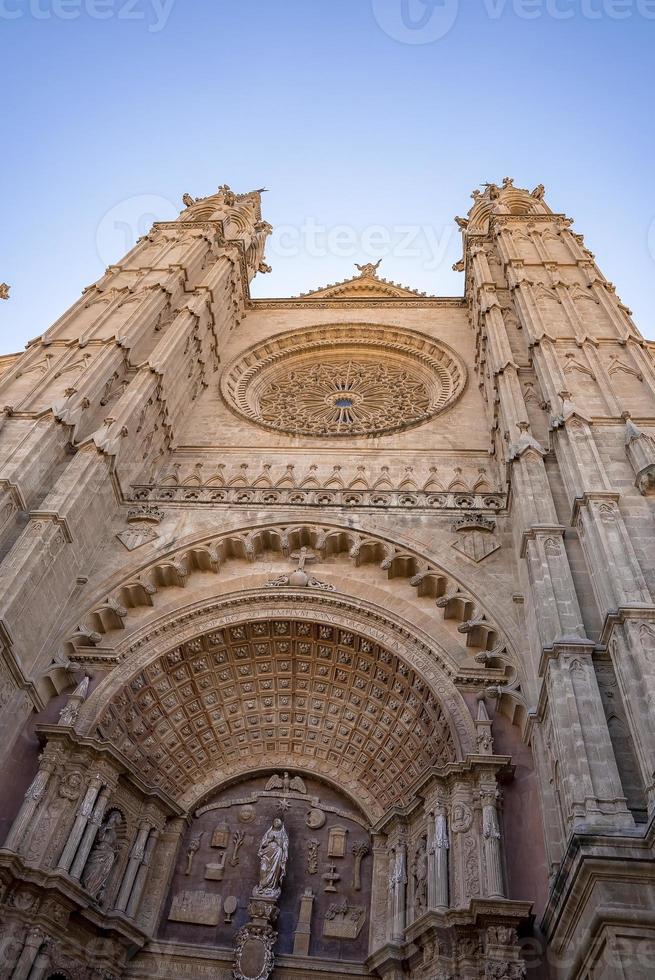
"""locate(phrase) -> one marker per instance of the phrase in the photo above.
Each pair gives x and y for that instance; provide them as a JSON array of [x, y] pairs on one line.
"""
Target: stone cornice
[[539, 530], [563, 646], [419, 302], [588, 497], [593, 855], [642, 612], [379, 500], [57, 883]]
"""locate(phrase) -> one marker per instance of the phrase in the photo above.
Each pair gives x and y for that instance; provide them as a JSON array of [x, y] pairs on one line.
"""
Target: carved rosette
[[355, 380]]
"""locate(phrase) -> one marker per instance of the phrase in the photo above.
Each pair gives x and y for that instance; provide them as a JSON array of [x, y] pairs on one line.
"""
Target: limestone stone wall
[[395, 548]]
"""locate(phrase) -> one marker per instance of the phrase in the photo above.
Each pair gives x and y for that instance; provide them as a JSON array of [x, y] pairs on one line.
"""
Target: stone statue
[[188, 201], [70, 711], [285, 782], [273, 854], [421, 878], [102, 857], [369, 268], [4, 290]]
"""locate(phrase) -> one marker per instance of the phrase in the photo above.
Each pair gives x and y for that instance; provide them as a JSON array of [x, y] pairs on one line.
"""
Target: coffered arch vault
[[311, 681]]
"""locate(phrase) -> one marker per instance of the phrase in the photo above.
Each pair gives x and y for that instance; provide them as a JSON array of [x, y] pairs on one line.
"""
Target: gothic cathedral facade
[[327, 624]]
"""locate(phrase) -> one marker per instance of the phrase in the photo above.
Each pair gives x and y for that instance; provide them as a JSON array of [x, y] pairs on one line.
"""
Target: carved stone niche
[[338, 921]]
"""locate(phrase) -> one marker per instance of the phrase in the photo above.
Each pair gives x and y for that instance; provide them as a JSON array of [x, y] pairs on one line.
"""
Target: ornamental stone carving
[[299, 676], [102, 857], [273, 856], [346, 381]]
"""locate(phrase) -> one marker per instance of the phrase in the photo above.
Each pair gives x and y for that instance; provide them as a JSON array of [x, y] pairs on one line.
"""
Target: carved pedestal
[[255, 941]]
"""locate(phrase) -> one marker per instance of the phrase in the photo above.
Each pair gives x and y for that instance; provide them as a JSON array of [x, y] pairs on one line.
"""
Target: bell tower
[[570, 393]]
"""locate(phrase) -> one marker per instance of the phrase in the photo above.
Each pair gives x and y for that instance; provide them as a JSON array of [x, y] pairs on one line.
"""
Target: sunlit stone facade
[[327, 624]]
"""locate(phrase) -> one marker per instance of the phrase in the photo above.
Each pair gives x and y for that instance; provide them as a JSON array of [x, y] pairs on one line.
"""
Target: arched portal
[[307, 682]]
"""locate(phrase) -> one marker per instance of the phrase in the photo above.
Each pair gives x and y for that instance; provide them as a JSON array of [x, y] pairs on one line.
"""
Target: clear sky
[[370, 121]]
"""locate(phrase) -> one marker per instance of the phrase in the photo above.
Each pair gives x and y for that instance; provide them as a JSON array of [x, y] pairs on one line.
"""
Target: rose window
[[345, 398], [338, 381]]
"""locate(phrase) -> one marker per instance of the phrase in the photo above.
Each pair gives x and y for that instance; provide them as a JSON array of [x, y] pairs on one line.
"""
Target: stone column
[[146, 910], [398, 890], [303, 931], [141, 875], [42, 961], [590, 779], [491, 838], [379, 894], [33, 942], [81, 820], [89, 834], [441, 848], [136, 857], [30, 805]]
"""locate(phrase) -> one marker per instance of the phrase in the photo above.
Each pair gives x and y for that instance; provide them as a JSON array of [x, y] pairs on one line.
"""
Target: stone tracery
[[349, 380], [344, 397]]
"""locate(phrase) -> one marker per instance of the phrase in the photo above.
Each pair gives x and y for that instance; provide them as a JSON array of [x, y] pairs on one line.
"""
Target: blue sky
[[370, 121]]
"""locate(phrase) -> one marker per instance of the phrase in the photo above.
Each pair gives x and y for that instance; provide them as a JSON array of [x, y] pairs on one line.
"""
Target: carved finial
[[189, 201], [4, 290], [539, 192], [493, 190], [369, 268], [508, 182], [227, 194], [483, 714]]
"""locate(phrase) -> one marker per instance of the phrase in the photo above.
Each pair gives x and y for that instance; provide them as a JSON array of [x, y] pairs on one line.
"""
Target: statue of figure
[[539, 192], [273, 854], [421, 877], [70, 711], [369, 268], [188, 200], [102, 857], [4, 290]]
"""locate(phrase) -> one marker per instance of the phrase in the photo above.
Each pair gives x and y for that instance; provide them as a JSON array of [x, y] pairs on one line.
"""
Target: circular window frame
[[430, 361]]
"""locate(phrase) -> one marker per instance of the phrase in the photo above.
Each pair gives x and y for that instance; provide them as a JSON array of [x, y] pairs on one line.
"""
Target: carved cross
[[302, 557]]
